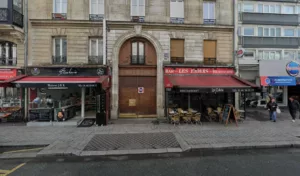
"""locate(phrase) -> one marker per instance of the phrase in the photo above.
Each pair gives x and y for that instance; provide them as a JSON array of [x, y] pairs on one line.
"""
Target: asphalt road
[[257, 163]]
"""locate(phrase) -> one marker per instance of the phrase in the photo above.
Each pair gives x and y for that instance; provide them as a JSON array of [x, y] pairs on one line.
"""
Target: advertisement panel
[[279, 68], [7, 73], [277, 81]]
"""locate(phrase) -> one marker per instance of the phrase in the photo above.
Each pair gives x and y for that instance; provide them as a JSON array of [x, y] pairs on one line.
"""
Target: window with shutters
[[96, 10], [209, 16], [210, 52], [137, 10], [177, 11], [60, 8], [96, 51], [137, 53], [177, 50]]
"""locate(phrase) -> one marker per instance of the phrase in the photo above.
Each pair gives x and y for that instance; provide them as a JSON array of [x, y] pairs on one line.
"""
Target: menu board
[[228, 111]]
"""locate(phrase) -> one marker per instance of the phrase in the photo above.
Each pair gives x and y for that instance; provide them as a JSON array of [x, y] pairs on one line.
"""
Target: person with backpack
[[294, 107]]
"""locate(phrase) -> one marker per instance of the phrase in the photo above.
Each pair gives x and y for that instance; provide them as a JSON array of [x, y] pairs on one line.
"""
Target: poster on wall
[[277, 81]]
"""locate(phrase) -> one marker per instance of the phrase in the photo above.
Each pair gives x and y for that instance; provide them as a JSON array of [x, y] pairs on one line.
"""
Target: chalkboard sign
[[228, 111]]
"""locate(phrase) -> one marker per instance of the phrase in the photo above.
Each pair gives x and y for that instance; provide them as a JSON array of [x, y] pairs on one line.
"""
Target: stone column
[[6, 53], [14, 54]]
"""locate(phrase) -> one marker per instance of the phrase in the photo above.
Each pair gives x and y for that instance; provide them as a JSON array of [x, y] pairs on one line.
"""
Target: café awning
[[8, 82], [57, 82], [208, 83]]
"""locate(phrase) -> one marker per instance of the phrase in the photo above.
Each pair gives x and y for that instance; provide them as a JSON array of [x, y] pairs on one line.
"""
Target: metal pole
[[82, 102], [26, 58], [104, 37], [244, 105]]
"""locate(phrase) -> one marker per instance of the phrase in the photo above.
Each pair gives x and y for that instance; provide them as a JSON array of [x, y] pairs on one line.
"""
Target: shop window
[[96, 9], [177, 50], [60, 8], [59, 50], [137, 53], [95, 51], [210, 52]]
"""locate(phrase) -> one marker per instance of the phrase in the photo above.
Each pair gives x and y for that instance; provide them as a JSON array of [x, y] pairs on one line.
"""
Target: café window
[[210, 52], [59, 50], [137, 53], [177, 50]]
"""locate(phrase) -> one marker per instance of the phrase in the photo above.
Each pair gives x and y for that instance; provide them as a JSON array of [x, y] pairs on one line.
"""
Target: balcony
[[3, 15], [17, 18], [176, 20], [95, 60], [59, 16], [138, 19], [269, 19], [8, 61], [96, 17], [268, 42], [59, 60], [209, 21]]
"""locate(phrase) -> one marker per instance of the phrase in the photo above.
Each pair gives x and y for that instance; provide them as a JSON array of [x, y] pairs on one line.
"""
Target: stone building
[[11, 43], [145, 35], [141, 37]]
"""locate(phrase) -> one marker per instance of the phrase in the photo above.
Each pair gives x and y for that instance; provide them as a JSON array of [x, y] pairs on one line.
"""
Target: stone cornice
[[126, 25]]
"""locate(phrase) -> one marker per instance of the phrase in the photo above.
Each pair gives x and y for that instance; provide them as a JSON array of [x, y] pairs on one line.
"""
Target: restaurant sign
[[199, 71], [7, 73], [67, 71]]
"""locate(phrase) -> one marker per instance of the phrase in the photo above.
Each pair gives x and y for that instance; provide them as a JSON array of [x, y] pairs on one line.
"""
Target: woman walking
[[272, 107]]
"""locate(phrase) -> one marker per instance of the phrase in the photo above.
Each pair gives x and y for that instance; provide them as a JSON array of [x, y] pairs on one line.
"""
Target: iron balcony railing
[[96, 17], [95, 60], [18, 18], [3, 14], [210, 21], [8, 61], [58, 60], [59, 16]]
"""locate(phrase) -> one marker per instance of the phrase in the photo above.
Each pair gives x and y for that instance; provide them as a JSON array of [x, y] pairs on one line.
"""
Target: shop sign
[[278, 81], [216, 90], [66, 71], [141, 90], [199, 71], [7, 73], [189, 90], [56, 85], [279, 68]]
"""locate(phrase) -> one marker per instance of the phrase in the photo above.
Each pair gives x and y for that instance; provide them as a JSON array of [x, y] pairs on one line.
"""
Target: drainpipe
[[104, 36], [235, 58], [26, 58]]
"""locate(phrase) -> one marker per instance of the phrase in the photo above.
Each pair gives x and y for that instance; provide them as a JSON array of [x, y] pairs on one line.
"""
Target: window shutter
[[141, 8], [94, 5], [134, 7], [173, 8], [210, 48], [101, 7], [177, 8], [64, 6], [177, 48], [180, 8]]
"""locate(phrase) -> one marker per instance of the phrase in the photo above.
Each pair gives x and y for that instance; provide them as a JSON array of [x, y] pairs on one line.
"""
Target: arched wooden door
[[137, 79]]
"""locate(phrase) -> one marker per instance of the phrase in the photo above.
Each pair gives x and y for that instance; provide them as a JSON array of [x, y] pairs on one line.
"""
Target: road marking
[[3, 172], [13, 170], [24, 150]]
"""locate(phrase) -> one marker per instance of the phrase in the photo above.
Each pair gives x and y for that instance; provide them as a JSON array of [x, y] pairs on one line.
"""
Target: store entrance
[[137, 96], [61, 104]]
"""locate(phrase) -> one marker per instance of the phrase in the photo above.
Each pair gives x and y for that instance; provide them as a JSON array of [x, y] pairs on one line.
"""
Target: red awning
[[37, 79], [7, 82], [191, 81]]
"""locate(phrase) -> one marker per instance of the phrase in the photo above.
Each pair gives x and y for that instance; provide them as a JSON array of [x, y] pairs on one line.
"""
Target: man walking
[[272, 107], [294, 107]]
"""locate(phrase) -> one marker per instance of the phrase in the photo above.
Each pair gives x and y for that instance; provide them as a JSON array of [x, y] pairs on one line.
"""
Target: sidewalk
[[124, 139]]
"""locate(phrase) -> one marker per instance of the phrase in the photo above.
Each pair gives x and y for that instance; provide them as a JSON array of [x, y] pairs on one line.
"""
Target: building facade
[[143, 36], [11, 49], [267, 31]]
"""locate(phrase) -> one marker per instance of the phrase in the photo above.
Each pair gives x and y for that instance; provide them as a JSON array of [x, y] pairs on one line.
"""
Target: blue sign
[[293, 68], [279, 81]]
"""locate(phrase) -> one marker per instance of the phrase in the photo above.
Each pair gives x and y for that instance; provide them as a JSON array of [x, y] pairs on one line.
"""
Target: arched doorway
[[137, 79]]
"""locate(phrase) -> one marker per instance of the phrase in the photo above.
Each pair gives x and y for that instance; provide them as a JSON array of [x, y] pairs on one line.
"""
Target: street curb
[[24, 146]]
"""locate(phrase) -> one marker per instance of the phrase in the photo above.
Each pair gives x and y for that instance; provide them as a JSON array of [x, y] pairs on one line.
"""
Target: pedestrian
[[294, 107], [268, 100], [272, 107]]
